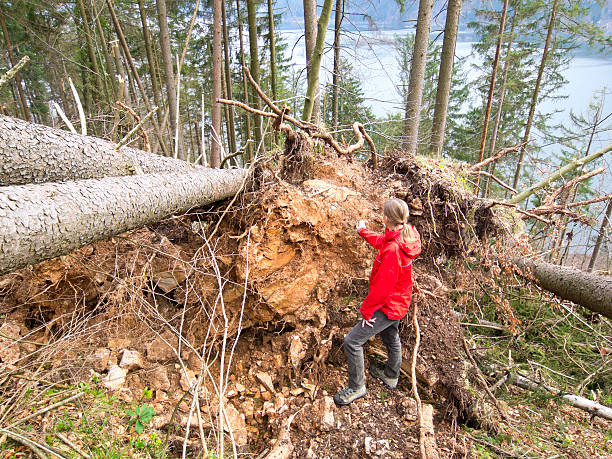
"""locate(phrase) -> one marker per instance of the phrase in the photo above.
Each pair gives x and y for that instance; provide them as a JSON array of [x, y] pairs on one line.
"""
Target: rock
[[240, 388], [297, 391], [101, 357], [248, 408], [296, 351], [115, 378], [268, 409], [376, 447], [236, 422], [158, 379], [169, 280], [266, 380], [279, 404], [132, 360], [9, 348], [159, 351], [267, 396], [187, 380], [325, 408], [232, 393]]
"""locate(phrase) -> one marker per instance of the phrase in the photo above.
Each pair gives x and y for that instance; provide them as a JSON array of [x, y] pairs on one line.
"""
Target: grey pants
[[353, 348]]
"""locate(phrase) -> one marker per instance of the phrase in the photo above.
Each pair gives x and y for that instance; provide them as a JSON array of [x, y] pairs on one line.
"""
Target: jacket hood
[[410, 246]]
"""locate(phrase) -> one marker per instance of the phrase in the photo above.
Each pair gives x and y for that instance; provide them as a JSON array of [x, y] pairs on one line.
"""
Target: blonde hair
[[396, 210]]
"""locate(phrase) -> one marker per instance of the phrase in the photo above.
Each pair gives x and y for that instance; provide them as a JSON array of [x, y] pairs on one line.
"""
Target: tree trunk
[[91, 51], [586, 289], [42, 221], [110, 73], [33, 153], [7, 43], [417, 76], [254, 64], [500, 103], [231, 128], [130, 61], [272, 43], [164, 41], [445, 77], [215, 145], [534, 96], [336, 76], [245, 87], [149, 50], [485, 128], [602, 231], [315, 63], [310, 39]]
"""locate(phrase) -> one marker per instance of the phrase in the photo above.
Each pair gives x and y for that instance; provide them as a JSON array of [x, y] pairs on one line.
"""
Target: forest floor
[[261, 293]]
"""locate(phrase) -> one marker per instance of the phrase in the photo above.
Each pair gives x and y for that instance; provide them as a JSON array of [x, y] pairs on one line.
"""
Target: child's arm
[[382, 284], [372, 238]]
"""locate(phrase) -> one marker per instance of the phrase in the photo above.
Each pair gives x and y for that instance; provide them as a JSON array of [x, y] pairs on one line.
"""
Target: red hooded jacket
[[391, 278]]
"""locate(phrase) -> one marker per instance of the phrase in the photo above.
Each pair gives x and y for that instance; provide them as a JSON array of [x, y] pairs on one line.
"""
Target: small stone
[[266, 380], [240, 388], [325, 407], [187, 380], [159, 351], [158, 379], [248, 408], [231, 393], [297, 391], [267, 396], [100, 359], [132, 360], [236, 422], [115, 378], [268, 409]]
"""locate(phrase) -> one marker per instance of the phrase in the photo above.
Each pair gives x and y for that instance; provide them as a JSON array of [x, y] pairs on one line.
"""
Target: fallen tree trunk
[[42, 221], [596, 409], [590, 290], [33, 153]]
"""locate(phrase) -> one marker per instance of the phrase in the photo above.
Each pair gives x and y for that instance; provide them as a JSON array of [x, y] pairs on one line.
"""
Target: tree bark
[[445, 77], [315, 63], [43, 221], [91, 51], [336, 76], [7, 43], [310, 38], [33, 153], [417, 76], [272, 43], [149, 50], [485, 128], [254, 64], [231, 128], [215, 145], [245, 87], [602, 231], [534, 96], [592, 291], [164, 41], [500, 103]]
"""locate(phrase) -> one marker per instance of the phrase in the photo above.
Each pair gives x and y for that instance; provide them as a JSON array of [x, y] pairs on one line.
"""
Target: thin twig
[[64, 118], [483, 382], [135, 128], [48, 408], [415, 391], [72, 445], [497, 155]]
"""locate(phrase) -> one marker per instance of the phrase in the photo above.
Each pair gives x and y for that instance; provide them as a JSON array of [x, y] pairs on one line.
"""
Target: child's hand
[[361, 224], [369, 323]]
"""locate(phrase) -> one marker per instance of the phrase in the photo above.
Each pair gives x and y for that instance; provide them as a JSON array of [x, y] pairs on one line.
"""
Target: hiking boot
[[379, 373], [347, 395]]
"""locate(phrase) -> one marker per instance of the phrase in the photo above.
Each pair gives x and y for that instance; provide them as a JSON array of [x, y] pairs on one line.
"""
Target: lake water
[[374, 59]]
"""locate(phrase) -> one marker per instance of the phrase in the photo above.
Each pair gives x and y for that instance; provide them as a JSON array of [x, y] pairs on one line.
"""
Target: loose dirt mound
[[291, 270]]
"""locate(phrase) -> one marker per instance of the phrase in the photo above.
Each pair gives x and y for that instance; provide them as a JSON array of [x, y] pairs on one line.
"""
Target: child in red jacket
[[387, 302]]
